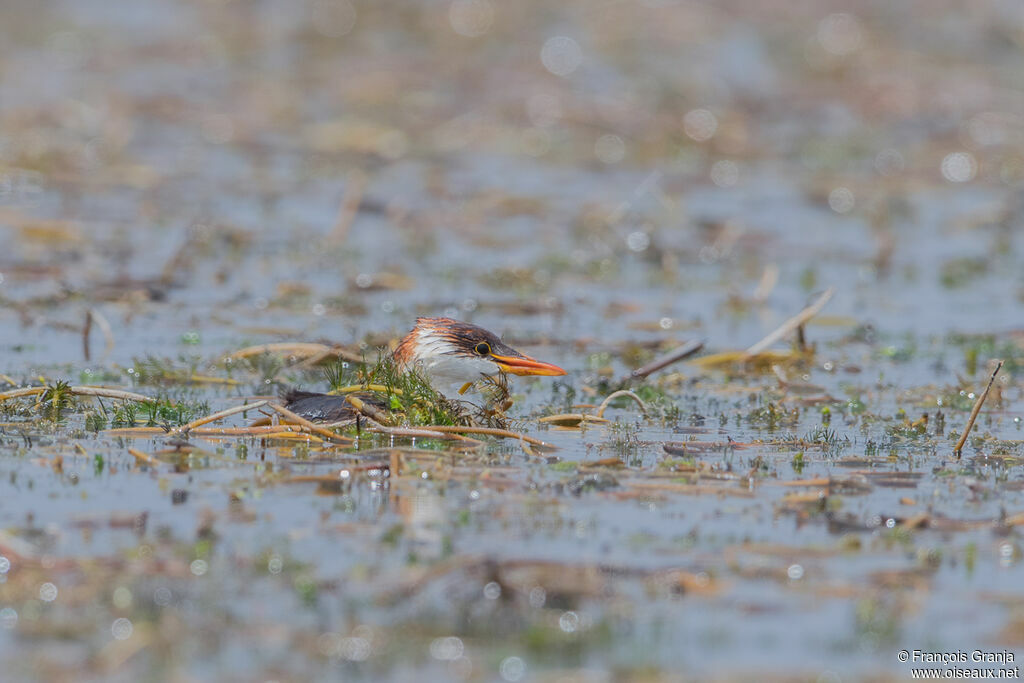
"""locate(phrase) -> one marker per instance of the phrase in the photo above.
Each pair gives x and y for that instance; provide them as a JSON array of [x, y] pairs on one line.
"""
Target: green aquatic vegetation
[[411, 394], [174, 413], [898, 536], [759, 465], [635, 355], [982, 347], [899, 353], [151, 370], [596, 362], [95, 422], [125, 415], [307, 589], [99, 376], [162, 412], [674, 463], [823, 435], [960, 272], [856, 406], [771, 416], [393, 534], [808, 279], [878, 621], [156, 371], [907, 429], [339, 373], [956, 399], [971, 360], [563, 397], [659, 403], [56, 399], [798, 462], [624, 442]]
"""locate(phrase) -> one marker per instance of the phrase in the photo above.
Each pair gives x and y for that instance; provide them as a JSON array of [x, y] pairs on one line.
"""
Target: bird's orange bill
[[524, 365]]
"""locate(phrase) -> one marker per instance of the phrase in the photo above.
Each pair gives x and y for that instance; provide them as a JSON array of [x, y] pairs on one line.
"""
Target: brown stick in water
[[974, 411]]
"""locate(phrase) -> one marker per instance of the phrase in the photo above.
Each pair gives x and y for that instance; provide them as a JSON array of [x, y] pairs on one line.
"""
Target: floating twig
[[417, 432], [422, 433], [691, 489], [316, 429], [260, 431], [616, 394], [144, 458], [221, 415], [572, 419], [80, 391], [490, 431], [675, 355], [974, 411], [366, 409], [791, 324], [207, 379]]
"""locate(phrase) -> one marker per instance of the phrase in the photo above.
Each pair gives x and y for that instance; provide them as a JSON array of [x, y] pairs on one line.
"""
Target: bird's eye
[[483, 348]]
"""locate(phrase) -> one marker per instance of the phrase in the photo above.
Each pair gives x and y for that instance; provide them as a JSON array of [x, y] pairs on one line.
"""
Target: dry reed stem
[[616, 394], [261, 431], [424, 433], [974, 411], [221, 415], [791, 324], [572, 419], [690, 489], [674, 356], [144, 458], [80, 391], [366, 409], [206, 379], [316, 429], [490, 431]]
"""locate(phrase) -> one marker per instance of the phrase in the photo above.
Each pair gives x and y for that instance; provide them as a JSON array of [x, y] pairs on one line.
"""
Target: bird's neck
[[438, 360]]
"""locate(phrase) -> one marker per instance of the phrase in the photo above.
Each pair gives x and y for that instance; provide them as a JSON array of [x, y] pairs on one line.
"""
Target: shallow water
[[178, 168]]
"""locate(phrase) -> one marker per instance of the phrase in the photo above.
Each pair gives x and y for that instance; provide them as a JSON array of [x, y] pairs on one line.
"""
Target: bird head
[[458, 352]]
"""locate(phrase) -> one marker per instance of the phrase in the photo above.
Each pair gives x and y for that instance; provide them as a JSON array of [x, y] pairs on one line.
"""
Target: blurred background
[[338, 168], [595, 180]]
